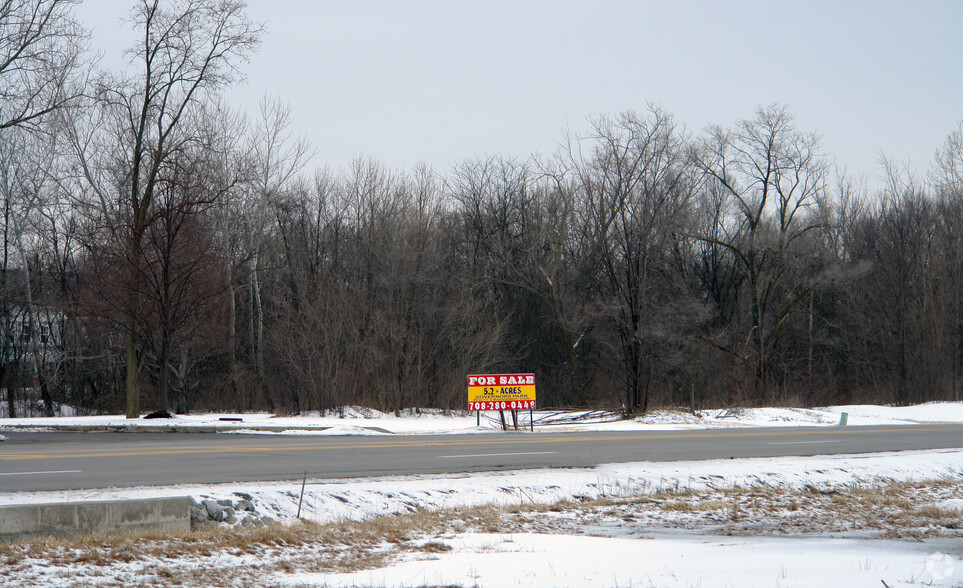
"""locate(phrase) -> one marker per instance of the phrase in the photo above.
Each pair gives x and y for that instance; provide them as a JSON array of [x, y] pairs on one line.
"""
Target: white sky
[[442, 80]]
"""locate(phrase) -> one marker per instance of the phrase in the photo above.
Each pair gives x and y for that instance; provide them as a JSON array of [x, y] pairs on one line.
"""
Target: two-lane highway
[[69, 461]]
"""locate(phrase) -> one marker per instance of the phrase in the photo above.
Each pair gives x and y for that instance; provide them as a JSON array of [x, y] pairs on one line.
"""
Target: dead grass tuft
[[434, 547]]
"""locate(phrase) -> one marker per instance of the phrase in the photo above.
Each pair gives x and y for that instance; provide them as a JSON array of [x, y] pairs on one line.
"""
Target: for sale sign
[[501, 392]]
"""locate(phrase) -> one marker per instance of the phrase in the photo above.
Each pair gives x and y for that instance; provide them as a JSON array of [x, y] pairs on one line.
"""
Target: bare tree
[[277, 157], [566, 276], [224, 154], [947, 172], [636, 183], [41, 65], [896, 322], [182, 292], [947, 179], [41, 48], [774, 174], [188, 51], [35, 224]]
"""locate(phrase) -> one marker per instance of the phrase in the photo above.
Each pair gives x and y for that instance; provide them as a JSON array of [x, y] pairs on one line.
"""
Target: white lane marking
[[804, 442], [37, 473], [498, 454]]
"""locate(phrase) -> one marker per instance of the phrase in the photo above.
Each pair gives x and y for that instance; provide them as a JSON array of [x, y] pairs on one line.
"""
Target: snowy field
[[559, 560], [886, 519]]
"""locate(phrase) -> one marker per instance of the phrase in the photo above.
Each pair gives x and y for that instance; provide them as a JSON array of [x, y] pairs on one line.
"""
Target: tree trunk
[[183, 407], [258, 313], [135, 361], [232, 347], [163, 384], [11, 401], [7, 333], [135, 349]]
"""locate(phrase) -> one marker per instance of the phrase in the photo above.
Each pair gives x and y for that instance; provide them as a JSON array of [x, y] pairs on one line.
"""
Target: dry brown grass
[[885, 508], [343, 546]]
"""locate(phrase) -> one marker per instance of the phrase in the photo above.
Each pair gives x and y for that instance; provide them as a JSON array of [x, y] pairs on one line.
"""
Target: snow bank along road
[[72, 461]]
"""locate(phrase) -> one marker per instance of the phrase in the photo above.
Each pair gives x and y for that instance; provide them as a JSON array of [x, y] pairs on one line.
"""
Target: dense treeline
[[161, 249]]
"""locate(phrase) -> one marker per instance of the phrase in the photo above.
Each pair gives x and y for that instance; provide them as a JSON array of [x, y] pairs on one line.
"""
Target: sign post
[[501, 392]]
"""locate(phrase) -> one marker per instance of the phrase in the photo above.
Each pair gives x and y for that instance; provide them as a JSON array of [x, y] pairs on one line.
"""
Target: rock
[[208, 513], [2, 438], [198, 511], [214, 510], [200, 518]]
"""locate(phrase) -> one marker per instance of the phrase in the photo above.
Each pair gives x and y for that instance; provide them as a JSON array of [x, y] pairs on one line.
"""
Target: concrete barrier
[[69, 519]]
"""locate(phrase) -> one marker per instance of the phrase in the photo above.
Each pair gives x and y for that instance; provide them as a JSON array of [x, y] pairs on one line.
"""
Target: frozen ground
[[888, 519]]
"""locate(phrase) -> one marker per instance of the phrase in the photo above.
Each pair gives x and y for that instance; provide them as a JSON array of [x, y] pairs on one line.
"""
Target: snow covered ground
[[788, 521], [364, 421], [563, 560]]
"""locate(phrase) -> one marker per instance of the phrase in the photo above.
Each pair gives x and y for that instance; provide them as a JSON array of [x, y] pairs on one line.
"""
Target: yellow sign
[[501, 392]]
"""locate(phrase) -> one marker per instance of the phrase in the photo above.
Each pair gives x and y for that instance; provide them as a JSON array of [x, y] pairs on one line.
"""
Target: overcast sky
[[438, 81]]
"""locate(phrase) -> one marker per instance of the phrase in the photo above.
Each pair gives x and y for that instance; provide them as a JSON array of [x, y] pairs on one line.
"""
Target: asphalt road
[[74, 461]]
